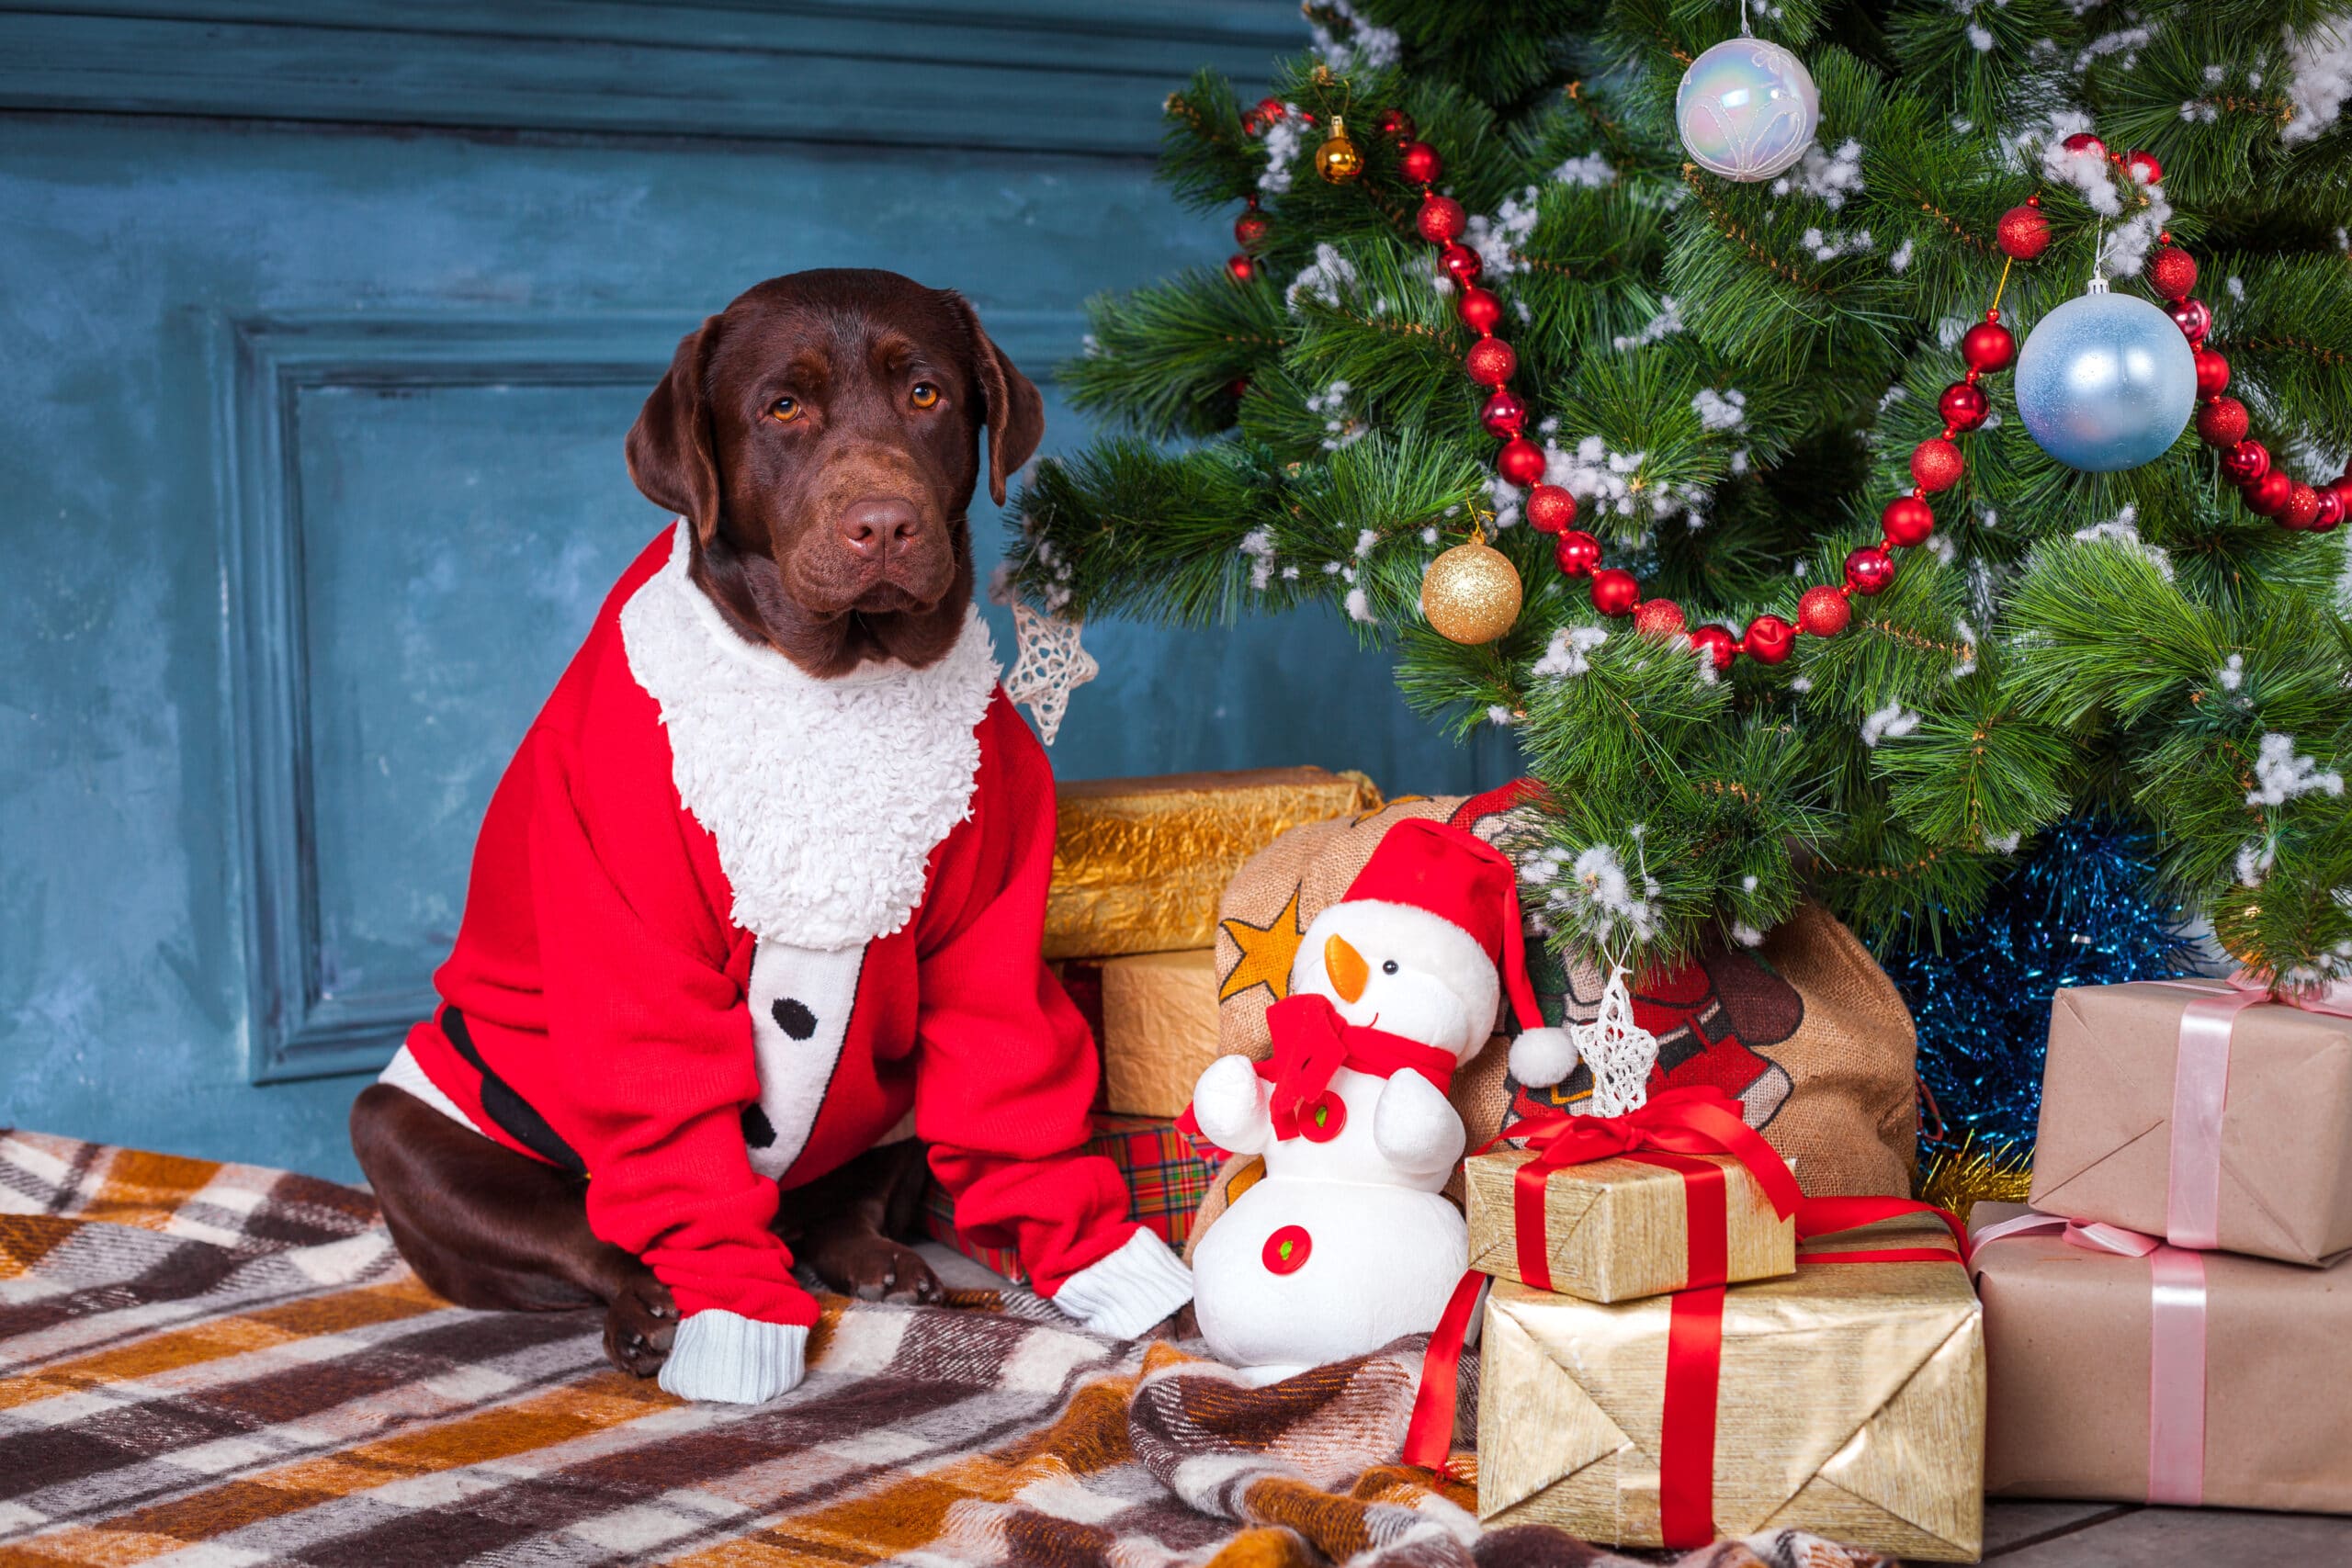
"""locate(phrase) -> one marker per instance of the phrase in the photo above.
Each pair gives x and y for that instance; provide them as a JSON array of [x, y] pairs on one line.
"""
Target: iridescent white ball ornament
[[2105, 382], [1746, 110]]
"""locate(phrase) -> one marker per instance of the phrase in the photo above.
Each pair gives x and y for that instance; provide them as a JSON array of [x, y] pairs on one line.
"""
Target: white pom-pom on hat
[[1542, 1057]]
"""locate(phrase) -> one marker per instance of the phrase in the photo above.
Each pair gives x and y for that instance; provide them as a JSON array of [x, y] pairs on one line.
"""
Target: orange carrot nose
[[1346, 968]]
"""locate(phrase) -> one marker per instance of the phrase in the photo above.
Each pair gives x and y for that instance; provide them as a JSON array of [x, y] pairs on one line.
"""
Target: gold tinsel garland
[[1960, 1177]]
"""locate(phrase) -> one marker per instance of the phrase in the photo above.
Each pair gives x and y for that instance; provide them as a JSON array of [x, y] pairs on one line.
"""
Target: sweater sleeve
[[649, 1066], [1006, 1070]]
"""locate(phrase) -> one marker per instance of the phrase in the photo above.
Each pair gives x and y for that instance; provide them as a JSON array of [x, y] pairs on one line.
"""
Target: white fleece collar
[[825, 797]]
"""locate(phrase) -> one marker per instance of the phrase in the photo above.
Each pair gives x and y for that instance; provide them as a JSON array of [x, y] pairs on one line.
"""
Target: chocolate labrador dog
[[821, 438]]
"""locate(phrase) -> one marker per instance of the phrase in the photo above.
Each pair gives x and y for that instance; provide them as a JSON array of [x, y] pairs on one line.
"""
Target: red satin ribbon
[[1693, 1363], [1699, 1119]]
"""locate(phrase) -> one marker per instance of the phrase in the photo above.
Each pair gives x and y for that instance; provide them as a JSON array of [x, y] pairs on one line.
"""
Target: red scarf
[[1312, 1041]]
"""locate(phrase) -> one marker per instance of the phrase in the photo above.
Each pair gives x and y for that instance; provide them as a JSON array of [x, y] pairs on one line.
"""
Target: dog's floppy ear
[[671, 454], [1016, 415]]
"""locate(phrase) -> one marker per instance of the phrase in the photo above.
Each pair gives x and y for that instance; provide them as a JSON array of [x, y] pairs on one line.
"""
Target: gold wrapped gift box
[[1850, 1402], [1617, 1229], [1139, 864]]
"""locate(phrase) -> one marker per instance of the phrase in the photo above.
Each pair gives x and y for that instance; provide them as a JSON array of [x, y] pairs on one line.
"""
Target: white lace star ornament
[[1050, 665]]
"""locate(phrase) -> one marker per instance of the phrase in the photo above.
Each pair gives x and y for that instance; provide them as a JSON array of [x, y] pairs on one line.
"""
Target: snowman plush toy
[[1347, 1241]]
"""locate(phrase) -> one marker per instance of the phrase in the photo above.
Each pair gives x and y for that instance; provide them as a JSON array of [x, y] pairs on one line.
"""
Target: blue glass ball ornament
[[2105, 382], [1746, 110]]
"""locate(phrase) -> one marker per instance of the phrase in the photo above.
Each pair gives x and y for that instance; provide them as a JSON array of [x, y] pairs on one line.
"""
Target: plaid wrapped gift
[[1166, 1173]]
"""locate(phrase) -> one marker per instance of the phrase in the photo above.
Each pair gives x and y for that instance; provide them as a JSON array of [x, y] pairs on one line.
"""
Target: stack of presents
[[1676, 1344]]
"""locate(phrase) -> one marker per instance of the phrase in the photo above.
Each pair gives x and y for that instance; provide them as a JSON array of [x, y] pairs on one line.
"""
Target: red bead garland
[[1823, 610], [2024, 232], [2221, 422], [1550, 509]]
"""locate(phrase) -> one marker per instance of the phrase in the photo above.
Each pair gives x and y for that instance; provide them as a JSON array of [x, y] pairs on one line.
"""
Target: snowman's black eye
[[1389, 967]]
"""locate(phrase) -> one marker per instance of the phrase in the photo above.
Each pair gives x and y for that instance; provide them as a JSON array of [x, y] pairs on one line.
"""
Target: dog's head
[[821, 437]]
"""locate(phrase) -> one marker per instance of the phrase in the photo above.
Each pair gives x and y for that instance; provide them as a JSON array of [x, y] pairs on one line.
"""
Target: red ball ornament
[[1271, 109], [2268, 495], [1504, 415], [2212, 373], [1418, 162], [1963, 405], [1439, 219], [1615, 593], [1521, 461], [2024, 232], [1907, 521], [1461, 264], [2142, 166], [1398, 124], [1238, 385], [1822, 611], [2302, 508], [1479, 311], [1988, 346], [1869, 569], [2222, 422], [1250, 124], [2331, 508], [1658, 617], [1242, 268], [1550, 509], [2193, 318], [1935, 464], [1490, 362], [1250, 229], [1719, 645], [2171, 272], [1770, 638], [2084, 141], [2246, 462], [1578, 553]]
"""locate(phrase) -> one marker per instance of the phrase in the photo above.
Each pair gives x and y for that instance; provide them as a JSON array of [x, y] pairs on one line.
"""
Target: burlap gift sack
[[1806, 1032]]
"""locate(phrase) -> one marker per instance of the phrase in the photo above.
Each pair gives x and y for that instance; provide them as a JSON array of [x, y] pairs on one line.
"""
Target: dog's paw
[[639, 1322], [876, 1269]]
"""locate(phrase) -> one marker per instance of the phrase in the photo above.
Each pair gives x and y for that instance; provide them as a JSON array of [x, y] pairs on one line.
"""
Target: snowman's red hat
[[1458, 877]]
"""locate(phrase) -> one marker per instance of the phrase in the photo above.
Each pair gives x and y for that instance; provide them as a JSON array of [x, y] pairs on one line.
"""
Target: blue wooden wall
[[321, 325]]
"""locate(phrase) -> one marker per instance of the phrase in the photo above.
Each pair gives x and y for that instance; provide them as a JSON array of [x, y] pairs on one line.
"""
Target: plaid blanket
[[221, 1366]]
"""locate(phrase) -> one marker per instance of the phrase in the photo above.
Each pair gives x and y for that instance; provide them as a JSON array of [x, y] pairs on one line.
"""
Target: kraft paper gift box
[[1618, 1229], [2111, 1148], [1850, 1401], [1141, 863], [2101, 1390], [1158, 1029]]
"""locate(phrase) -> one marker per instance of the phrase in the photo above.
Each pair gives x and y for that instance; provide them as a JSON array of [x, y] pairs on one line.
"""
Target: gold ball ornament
[[1337, 160], [1470, 593]]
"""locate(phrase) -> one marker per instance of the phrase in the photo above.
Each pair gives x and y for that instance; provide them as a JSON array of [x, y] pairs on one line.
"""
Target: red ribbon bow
[[1677, 1123]]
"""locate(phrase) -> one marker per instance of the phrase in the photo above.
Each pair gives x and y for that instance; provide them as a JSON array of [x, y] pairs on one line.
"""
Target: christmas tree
[[1819, 585]]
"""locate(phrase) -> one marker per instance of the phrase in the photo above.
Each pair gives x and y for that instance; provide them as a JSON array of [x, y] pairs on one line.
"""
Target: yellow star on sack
[[1266, 953]]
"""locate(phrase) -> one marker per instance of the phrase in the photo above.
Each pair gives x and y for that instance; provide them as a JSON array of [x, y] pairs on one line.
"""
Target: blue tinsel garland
[[2080, 910]]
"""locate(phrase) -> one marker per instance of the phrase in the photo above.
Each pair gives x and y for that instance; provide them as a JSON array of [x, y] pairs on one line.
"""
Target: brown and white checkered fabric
[[221, 1366]]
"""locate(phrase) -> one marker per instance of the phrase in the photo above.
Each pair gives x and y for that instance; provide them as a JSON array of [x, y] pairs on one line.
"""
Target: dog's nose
[[879, 525]]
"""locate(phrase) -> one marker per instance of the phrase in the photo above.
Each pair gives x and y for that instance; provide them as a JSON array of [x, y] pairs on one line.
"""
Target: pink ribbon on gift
[[2200, 1089], [2176, 1346]]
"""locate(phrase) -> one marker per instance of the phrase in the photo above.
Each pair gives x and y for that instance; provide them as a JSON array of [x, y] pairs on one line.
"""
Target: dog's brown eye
[[925, 396], [784, 411]]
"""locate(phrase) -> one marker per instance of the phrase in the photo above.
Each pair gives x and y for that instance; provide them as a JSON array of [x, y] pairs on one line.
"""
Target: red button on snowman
[[1347, 1241]]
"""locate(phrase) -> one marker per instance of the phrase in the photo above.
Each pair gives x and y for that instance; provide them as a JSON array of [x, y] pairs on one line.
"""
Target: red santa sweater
[[728, 924]]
